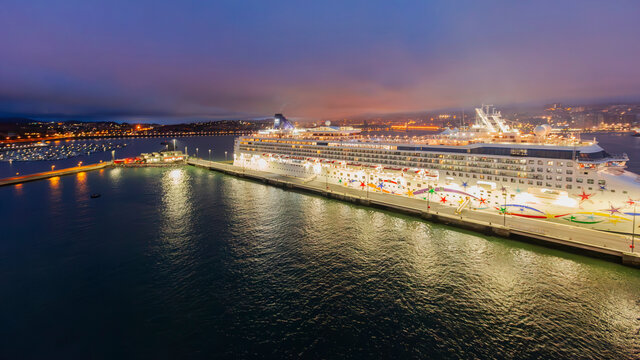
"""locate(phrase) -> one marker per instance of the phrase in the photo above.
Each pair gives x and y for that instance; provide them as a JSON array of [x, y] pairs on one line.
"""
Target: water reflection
[[176, 228], [115, 174], [82, 190], [17, 189], [54, 187]]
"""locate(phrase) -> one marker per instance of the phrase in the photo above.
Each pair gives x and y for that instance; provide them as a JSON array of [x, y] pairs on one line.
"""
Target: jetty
[[53, 173], [601, 244]]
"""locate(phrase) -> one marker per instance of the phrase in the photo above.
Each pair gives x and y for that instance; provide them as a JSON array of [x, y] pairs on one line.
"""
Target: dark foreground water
[[187, 263]]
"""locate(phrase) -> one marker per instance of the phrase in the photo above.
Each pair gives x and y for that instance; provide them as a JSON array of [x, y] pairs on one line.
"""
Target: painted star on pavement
[[482, 201], [613, 209], [549, 215], [631, 202], [464, 184], [503, 210], [584, 196], [432, 190], [443, 199], [603, 188]]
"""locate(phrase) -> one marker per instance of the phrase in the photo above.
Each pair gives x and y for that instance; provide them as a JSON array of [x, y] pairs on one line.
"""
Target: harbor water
[[187, 263]]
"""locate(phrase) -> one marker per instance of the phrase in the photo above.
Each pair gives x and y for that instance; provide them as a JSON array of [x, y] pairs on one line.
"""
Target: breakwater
[[53, 173]]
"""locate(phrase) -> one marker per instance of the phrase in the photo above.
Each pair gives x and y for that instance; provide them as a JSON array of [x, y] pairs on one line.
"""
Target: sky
[[171, 61]]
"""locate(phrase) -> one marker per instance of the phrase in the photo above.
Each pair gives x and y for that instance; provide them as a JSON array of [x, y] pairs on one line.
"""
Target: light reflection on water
[[176, 224], [198, 262]]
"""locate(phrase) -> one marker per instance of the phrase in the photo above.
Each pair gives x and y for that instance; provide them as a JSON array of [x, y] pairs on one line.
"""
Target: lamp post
[[113, 155], [326, 180], [225, 156], [366, 184], [174, 145], [504, 209], [209, 154], [185, 151], [633, 230], [196, 152]]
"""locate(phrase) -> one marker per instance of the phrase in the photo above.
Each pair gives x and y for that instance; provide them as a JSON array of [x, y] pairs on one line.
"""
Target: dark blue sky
[[159, 60]]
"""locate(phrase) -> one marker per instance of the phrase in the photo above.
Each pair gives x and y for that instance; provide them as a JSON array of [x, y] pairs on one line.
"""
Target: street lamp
[[225, 156], [174, 145], [504, 209], [326, 180], [366, 183], [196, 152], [633, 230], [80, 163], [52, 167], [209, 154]]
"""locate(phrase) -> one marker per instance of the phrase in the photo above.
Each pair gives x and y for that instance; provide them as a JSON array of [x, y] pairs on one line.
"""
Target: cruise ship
[[489, 166]]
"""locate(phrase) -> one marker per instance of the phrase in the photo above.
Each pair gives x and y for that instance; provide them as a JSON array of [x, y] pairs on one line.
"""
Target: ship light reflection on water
[[177, 211]]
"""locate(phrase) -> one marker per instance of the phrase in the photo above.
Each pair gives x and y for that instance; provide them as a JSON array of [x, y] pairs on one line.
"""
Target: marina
[[57, 150]]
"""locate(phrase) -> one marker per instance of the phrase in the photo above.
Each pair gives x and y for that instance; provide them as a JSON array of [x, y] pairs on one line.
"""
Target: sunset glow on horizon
[[157, 61]]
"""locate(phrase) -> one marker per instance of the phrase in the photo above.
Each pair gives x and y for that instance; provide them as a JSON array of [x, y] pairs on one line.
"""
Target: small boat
[[95, 196]]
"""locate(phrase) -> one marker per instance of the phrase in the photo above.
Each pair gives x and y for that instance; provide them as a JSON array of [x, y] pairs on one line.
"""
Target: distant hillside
[[17, 120]]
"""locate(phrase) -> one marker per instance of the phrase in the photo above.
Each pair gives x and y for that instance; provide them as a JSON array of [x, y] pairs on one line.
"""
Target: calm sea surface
[[188, 263]]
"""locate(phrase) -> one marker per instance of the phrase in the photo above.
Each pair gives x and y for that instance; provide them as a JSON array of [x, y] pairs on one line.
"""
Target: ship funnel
[[281, 123]]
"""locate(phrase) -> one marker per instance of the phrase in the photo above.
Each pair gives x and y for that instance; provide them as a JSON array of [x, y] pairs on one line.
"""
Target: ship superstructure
[[488, 166]]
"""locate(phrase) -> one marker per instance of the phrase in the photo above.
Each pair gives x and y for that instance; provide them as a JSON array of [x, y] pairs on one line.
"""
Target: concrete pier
[[49, 174], [592, 242]]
